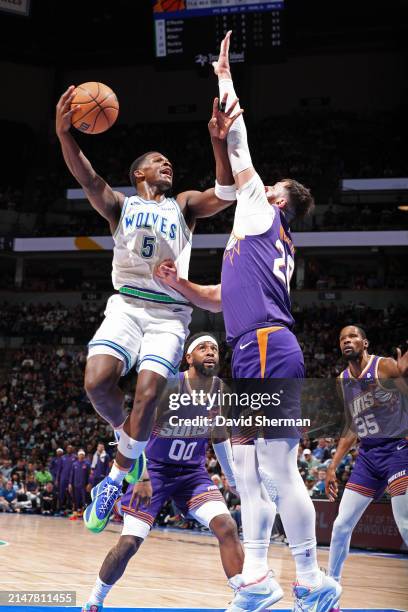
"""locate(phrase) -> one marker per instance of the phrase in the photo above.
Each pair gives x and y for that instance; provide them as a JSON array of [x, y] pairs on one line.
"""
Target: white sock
[[307, 569], [237, 140], [99, 592], [256, 560], [116, 474]]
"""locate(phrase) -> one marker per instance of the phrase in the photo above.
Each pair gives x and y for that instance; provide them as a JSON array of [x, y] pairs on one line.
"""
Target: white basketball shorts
[[152, 336]]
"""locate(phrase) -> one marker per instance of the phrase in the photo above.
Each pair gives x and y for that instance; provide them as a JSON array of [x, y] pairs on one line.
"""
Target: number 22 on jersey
[[283, 266]]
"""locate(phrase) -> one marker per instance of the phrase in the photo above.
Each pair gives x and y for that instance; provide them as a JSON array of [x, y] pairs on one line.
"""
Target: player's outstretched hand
[[222, 119], [167, 272], [222, 66], [64, 111], [141, 494], [331, 486], [402, 362]]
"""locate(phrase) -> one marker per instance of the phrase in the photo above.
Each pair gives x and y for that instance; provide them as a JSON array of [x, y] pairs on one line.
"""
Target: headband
[[198, 341]]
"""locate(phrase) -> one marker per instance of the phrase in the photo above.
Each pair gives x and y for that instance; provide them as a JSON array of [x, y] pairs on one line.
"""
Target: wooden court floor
[[171, 569]]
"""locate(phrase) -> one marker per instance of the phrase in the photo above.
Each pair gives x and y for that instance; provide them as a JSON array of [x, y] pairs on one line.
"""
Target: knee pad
[[269, 483]]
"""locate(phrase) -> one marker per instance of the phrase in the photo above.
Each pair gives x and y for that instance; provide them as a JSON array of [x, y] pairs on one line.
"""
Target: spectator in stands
[[310, 461], [8, 498], [49, 500], [19, 469], [310, 482], [100, 465], [6, 469], [328, 461], [319, 486], [32, 491], [321, 452], [42, 475]]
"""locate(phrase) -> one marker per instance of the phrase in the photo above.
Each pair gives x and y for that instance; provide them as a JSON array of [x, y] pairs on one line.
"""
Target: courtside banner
[[18, 7], [219, 241], [376, 528]]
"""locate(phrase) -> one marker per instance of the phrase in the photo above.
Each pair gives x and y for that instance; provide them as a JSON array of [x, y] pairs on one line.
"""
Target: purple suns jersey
[[181, 444], [255, 278], [377, 413]]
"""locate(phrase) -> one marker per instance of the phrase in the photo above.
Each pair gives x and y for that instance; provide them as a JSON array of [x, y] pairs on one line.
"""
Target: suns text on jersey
[[361, 403]]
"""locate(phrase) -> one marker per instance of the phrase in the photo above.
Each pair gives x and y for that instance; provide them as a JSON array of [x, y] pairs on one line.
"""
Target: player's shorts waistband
[[278, 326], [148, 295]]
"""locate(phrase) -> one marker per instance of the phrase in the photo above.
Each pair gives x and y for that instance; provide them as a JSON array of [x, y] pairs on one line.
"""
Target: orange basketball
[[99, 108]]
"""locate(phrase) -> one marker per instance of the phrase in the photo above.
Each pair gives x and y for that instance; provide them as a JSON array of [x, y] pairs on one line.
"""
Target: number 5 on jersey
[[148, 246]]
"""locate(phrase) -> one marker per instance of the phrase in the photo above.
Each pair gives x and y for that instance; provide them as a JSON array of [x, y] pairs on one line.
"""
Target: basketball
[[98, 108]]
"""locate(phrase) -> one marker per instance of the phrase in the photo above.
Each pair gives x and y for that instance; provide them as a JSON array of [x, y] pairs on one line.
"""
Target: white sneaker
[[320, 599], [255, 596]]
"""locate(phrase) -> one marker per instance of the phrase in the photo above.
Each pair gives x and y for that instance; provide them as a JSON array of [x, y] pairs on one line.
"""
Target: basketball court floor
[[173, 570]]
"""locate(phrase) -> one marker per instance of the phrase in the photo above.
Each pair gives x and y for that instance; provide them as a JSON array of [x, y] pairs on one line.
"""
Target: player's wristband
[[225, 192], [145, 480]]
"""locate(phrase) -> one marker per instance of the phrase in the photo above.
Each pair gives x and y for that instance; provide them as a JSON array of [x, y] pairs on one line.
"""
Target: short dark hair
[[360, 330], [300, 198], [139, 161]]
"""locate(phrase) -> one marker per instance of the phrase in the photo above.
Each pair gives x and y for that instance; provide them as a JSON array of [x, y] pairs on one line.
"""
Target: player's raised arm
[[107, 202], [237, 140], [207, 297], [211, 201]]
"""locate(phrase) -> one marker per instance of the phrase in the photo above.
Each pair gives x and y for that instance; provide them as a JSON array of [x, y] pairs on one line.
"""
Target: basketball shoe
[[255, 596], [89, 607], [318, 599], [97, 514]]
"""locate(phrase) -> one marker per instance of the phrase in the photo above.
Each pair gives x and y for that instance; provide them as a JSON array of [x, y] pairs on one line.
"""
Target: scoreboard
[[189, 32]]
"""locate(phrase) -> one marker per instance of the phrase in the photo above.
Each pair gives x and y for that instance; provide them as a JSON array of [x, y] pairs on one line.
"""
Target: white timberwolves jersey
[[147, 233]]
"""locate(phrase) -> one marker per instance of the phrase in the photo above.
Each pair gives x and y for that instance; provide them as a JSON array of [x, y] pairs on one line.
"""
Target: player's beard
[[206, 370], [353, 356]]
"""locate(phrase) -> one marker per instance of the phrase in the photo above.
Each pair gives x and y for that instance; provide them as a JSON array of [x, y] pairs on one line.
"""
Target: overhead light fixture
[[403, 207]]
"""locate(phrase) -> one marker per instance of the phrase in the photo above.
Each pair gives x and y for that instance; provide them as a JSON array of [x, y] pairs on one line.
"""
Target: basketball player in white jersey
[[146, 322]]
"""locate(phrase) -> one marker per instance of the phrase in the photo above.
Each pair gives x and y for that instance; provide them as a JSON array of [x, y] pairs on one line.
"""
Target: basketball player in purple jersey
[[372, 389], [254, 297], [176, 454]]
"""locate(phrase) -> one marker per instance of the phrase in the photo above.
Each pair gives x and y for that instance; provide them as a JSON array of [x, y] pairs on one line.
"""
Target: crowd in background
[[330, 271], [317, 327], [51, 438], [313, 147]]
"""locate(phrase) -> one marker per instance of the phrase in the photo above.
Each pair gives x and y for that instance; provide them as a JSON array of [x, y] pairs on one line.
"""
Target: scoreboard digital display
[[189, 32]]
